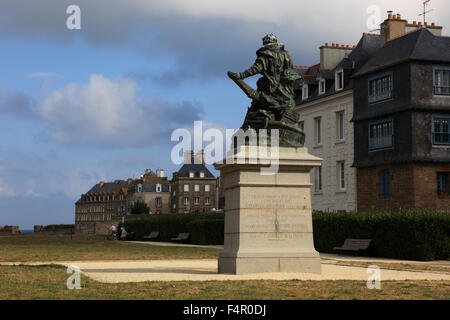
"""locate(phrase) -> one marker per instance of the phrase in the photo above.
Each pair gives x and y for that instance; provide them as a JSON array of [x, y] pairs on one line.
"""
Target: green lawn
[[63, 248], [49, 282]]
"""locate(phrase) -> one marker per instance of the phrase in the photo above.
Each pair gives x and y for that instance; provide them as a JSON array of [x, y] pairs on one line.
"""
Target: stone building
[[325, 106], [104, 204], [401, 120], [10, 230], [154, 190], [193, 186], [377, 114]]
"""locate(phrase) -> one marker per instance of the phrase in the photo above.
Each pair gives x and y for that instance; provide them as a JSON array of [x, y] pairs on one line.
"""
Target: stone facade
[[193, 186], [402, 149], [154, 190], [105, 203], [332, 149]]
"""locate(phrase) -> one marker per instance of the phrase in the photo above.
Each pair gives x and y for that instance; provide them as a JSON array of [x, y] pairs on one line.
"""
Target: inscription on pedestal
[[271, 200]]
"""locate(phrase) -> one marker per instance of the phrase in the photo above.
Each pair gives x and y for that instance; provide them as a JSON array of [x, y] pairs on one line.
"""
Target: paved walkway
[[206, 270], [328, 256]]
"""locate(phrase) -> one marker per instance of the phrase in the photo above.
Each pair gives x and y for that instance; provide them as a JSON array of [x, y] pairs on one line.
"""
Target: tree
[[140, 208]]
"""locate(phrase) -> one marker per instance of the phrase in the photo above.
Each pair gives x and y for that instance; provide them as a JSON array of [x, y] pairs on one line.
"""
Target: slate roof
[[366, 47], [419, 45], [196, 168], [109, 186], [151, 186]]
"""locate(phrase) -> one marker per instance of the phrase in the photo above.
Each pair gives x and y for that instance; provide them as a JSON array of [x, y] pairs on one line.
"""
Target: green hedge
[[207, 231], [409, 234], [170, 225]]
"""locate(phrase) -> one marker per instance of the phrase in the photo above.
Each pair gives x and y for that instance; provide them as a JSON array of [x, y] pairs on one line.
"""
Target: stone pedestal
[[268, 223]]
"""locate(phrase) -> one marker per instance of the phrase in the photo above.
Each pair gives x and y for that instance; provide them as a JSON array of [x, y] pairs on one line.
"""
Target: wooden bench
[[355, 245], [152, 236], [182, 237]]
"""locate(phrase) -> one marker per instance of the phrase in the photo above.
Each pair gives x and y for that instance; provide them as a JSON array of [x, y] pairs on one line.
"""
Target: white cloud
[[107, 113]]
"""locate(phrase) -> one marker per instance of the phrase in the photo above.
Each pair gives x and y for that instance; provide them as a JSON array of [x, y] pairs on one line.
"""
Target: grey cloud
[[17, 104]]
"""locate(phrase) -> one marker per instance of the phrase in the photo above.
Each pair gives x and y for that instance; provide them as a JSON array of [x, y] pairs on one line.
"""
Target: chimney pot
[[433, 24], [333, 45], [326, 44], [354, 46], [390, 16], [414, 22], [420, 23], [426, 23]]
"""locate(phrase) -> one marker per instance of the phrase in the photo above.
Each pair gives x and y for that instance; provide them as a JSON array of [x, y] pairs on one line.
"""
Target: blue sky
[[100, 103]]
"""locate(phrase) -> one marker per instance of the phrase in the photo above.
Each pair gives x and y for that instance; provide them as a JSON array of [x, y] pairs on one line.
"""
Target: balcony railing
[[441, 138], [380, 96], [381, 142], [444, 90]]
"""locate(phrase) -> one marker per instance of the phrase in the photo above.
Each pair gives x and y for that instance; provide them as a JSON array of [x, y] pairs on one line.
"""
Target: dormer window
[[339, 81], [158, 187], [322, 88], [191, 174], [139, 188], [202, 174], [305, 92]]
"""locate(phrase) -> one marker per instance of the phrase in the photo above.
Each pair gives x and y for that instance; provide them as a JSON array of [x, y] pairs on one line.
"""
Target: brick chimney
[[433, 28], [330, 56], [200, 157], [394, 26], [188, 157]]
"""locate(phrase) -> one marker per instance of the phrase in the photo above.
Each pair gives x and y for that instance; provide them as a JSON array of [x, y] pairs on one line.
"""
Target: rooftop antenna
[[424, 13]]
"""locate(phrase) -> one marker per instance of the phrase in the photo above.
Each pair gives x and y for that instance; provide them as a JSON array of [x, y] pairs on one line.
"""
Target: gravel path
[[204, 270]]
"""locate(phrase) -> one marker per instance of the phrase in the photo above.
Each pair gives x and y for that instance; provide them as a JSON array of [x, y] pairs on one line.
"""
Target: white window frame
[[202, 174], [158, 202], [196, 201], [318, 131], [339, 76], [341, 175], [318, 180], [207, 188], [186, 187], [191, 174], [340, 126], [207, 201], [305, 92], [322, 82], [158, 187], [196, 188]]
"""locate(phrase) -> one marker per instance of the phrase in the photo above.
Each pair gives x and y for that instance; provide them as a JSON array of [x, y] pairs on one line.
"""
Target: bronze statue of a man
[[273, 101], [274, 63]]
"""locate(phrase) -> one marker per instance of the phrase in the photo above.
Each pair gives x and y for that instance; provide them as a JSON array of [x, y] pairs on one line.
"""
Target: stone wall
[[10, 230]]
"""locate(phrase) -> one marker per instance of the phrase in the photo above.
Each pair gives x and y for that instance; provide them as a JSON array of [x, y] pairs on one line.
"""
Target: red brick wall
[[411, 186], [425, 181]]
